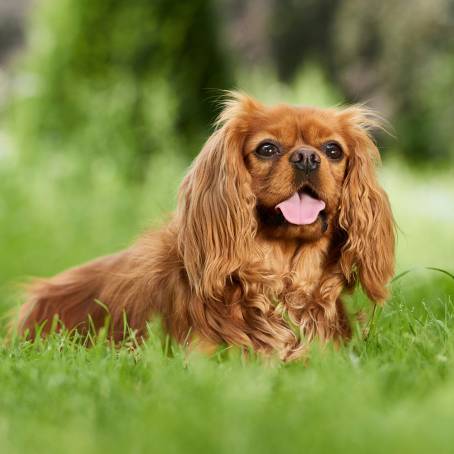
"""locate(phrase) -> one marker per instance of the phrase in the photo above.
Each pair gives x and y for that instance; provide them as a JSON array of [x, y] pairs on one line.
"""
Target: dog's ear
[[215, 215], [365, 212]]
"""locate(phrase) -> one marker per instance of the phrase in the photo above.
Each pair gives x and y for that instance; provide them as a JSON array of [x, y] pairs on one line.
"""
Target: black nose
[[305, 159]]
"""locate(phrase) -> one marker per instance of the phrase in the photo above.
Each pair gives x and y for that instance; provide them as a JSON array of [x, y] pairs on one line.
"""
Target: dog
[[279, 214]]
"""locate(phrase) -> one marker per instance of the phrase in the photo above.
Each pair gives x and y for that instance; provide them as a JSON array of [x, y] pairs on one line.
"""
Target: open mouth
[[303, 207], [309, 190]]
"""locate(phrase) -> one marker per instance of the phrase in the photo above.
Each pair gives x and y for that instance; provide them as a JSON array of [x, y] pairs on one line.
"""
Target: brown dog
[[278, 214]]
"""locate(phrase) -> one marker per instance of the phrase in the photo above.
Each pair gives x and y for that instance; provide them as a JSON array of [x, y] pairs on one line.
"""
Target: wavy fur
[[219, 272]]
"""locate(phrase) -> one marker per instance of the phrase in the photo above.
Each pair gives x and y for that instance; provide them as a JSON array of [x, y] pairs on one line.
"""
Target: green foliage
[[117, 78], [395, 55], [407, 66]]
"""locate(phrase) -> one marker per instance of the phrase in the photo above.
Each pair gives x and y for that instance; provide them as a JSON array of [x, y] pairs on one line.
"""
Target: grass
[[393, 392], [390, 392]]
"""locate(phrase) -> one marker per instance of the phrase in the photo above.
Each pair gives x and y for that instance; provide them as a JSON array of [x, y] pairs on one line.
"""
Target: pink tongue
[[301, 209]]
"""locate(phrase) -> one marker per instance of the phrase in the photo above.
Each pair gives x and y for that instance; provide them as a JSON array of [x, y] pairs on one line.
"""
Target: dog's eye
[[333, 150], [267, 150]]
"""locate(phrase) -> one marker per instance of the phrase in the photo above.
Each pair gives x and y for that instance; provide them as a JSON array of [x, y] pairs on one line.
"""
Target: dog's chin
[[273, 225]]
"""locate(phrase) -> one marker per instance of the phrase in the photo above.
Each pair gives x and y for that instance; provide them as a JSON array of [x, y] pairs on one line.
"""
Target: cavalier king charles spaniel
[[278, 215]]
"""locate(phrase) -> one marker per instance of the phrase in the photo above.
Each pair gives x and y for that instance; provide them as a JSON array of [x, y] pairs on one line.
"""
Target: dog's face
[[297, 158], [286, 173]]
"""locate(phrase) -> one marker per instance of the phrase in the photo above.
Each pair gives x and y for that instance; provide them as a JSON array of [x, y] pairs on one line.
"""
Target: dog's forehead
[[309, 124]]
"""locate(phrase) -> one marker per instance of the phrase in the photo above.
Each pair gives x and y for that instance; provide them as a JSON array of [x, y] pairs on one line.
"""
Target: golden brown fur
[[227, 269]]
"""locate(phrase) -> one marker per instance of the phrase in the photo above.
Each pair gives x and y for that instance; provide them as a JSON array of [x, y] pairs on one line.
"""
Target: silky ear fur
[[365, 212], [216, 205]]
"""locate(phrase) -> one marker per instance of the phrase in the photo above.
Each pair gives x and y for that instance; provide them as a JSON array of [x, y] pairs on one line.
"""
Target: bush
[[396, 55], [117, 78]]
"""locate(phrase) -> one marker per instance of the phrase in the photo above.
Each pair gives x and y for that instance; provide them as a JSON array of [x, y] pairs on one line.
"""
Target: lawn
[[390, 391]]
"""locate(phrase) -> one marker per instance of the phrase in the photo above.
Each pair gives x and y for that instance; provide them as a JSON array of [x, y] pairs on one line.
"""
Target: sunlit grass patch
[[372, 395]]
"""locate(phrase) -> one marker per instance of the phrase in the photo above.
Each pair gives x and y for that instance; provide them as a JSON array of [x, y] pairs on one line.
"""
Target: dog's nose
[[305, 159]]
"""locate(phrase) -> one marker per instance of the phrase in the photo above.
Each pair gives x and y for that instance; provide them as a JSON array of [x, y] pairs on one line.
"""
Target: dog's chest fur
[[300, 265]]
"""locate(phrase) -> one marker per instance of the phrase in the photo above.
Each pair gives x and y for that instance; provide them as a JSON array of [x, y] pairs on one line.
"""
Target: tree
[[395, 54], [122, 78]]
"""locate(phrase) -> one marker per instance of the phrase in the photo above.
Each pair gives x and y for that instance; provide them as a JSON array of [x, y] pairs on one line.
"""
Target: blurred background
[[103, 103]]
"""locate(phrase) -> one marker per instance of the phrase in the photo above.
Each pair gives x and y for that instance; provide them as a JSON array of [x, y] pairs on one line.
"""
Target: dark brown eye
[[267, 150], [333, 150]]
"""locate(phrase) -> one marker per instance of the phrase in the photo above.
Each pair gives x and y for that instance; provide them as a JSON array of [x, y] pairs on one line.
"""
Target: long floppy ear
[[365, 212], [215, 215]]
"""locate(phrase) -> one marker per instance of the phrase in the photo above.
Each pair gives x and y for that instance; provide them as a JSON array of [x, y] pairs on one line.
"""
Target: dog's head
[[290, 174]]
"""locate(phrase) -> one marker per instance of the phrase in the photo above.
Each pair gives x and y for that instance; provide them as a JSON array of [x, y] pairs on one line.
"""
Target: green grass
[[391, 392]]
